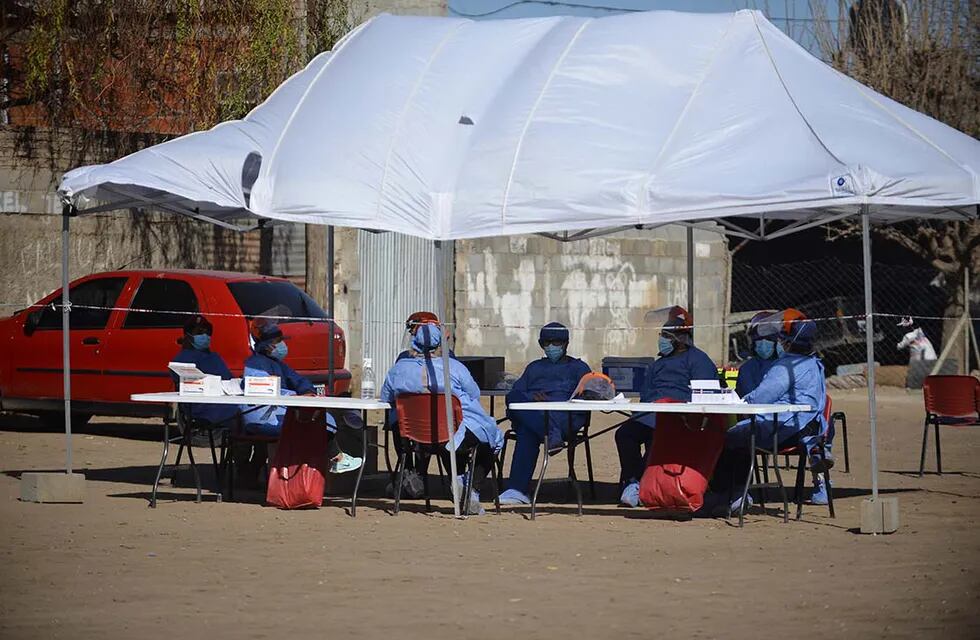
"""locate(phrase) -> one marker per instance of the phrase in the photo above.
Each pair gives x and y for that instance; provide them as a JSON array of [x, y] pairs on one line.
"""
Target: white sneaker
[[631, 495], [513, 496], [345, 463], [473, 507]]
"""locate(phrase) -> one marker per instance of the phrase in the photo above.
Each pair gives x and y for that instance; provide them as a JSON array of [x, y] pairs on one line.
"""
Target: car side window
[[91, 301], [161, 303]]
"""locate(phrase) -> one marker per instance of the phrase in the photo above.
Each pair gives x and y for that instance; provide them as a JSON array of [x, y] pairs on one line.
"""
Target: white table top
[[662, 407], [323, 402]]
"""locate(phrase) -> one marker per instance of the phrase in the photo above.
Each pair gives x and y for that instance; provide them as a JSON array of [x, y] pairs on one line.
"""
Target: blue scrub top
[[793, 379], [290, 383], [424, 375], [211, 363], [669, 377], [751, 373]]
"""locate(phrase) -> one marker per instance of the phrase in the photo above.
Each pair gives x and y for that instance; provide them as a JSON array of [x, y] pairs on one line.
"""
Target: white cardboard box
[[711, 392], [194, 382], [262, 385]]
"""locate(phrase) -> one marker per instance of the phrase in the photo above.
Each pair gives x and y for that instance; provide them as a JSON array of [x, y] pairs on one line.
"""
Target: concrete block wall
[[507, 288]]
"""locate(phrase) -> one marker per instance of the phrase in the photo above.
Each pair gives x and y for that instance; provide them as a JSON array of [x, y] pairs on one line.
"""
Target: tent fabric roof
[[448, 128]]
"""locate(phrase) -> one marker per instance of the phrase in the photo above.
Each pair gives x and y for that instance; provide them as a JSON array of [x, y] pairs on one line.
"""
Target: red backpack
[[685, 449], [296, 472]]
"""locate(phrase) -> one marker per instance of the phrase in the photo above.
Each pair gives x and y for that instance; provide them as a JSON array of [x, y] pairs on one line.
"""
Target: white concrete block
[[52, 487], [879, 516]]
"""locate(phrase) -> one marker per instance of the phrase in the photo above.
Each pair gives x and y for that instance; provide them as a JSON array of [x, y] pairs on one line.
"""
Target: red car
[[123, 346]]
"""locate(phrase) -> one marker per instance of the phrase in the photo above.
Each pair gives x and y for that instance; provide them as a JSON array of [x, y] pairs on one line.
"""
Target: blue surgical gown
[[557, 381], [425, 375], [211, 363], [268, 420], [750, 374], [792, 379], [669, 377]]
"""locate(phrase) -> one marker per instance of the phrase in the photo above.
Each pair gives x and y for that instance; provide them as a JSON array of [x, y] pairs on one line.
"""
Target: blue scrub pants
[[633, 442], [529, 426], [733, 465]]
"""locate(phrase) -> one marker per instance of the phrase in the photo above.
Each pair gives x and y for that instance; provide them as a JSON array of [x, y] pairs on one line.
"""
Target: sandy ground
[[112, 568]]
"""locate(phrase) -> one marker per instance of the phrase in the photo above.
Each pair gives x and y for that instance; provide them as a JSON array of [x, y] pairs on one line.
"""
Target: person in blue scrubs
[[797, 377], [669, 377], [197, 351], [411, 480], [551, 378], [752, 371], [268, 359], [423, 373]]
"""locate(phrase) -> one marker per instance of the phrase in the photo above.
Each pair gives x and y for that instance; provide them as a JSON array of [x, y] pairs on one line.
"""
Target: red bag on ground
[[685, 449], [296, 471]]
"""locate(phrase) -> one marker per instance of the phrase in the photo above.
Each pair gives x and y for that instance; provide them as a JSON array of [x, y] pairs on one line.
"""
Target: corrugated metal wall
[[289, 252], [398, 277]]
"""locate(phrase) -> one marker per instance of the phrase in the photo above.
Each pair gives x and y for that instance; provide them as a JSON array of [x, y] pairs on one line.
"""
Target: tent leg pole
[[690, 273], [870, 346], [442, 284], [66, 212], [330, 310], [878, 515]]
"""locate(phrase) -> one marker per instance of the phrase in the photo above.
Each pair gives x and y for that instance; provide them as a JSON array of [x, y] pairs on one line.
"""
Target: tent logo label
[[842, 186]]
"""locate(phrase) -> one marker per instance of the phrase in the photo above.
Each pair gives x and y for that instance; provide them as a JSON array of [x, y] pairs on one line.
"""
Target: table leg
[[360, 471], [748, 479], [573, 435], [163, 463], [544, 468]]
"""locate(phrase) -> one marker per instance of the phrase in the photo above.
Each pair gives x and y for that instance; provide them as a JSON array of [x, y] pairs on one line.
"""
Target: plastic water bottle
[[367, 380]]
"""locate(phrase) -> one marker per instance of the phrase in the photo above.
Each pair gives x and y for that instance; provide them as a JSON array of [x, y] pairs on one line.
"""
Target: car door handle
[[90, 340]]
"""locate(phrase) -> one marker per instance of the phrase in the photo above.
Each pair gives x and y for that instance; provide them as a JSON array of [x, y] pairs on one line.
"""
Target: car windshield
[[255, 298]]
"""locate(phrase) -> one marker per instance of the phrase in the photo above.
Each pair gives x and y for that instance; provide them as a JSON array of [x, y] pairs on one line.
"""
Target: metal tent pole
[[690, 272], [66, 213], [442, 258], [869, 343], [330, 310]]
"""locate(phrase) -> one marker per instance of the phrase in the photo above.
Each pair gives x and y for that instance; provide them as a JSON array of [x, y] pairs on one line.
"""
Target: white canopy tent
[[446, 128]]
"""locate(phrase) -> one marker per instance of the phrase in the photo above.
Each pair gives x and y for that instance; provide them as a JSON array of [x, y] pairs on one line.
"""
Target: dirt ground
[[112, 568]]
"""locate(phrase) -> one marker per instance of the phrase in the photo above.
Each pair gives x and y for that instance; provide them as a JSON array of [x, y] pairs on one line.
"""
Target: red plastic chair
[[422, 428], [951, 401], [801, 463]]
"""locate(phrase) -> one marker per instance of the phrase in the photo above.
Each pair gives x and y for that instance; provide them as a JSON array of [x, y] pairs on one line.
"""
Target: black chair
[[582, 438], [186, 426]]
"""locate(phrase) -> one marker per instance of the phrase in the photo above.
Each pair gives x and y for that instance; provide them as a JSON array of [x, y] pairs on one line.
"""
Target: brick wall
[[507, 288]]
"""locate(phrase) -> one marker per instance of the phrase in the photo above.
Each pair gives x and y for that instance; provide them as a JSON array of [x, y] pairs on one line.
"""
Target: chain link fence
[[831, 291]]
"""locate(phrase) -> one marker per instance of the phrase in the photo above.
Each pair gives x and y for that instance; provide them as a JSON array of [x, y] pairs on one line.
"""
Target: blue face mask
[[765, 349], [554, 352], [201, 342], [780, 350], [665, 345], [279, 351]]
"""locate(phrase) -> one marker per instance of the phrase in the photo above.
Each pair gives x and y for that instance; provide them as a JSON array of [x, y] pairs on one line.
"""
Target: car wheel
[[55, 420]]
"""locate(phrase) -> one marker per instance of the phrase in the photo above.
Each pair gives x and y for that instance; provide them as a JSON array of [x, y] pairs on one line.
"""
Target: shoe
[[513, 496], [737, 504], [819, 462], [631, 495], [345, 463], [819, 495], [473, 507]]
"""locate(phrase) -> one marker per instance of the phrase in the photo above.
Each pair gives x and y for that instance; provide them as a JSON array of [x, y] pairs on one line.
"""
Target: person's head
[[268, 339], [427, 338], [763, 332], [554, 340], [797, 333], [197, 334], [417, 319], [675, 336]]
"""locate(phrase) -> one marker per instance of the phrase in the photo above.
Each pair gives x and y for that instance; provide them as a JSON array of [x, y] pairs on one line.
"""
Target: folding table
[[317, 402]]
